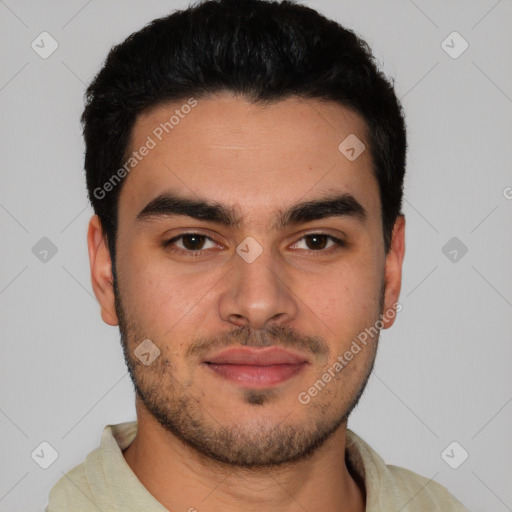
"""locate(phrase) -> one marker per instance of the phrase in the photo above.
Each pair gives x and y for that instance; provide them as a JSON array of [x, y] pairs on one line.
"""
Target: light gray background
[[443, 371]]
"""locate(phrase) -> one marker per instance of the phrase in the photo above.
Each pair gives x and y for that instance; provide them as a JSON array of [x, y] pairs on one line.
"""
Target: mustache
[[273, 336]]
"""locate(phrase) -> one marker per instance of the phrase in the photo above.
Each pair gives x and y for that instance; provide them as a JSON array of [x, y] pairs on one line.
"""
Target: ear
[[393, 271], [101, 271]]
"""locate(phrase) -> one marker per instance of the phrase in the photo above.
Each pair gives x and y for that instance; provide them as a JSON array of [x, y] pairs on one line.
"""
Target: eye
[[195, 244], [189, 243], [316, 242]]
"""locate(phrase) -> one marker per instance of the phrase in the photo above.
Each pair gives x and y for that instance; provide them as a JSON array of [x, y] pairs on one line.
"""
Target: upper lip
[[258, 357]]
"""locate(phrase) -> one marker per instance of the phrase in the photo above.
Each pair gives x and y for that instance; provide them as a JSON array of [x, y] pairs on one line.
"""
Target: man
[[245, 161]]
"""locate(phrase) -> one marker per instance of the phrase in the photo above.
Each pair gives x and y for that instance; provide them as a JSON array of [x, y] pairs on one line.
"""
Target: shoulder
[[424, 492], [89, 485], [71, 492], [392, 487]]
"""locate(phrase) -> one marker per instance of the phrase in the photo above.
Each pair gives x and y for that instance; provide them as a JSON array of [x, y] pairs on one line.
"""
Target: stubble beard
[[258, 445]]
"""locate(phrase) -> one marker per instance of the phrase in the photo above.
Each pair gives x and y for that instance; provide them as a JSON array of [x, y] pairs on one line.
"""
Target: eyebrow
[[170, 205]]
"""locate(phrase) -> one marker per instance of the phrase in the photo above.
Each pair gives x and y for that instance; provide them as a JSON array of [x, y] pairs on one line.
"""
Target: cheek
[[166, 300], [153, 293], [347, 299], [171, 305]]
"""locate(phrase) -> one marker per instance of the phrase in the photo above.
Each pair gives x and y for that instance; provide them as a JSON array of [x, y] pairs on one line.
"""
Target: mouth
[[256, 368]]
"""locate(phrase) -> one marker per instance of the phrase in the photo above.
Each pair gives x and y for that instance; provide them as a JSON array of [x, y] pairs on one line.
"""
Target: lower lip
[[252, 376]]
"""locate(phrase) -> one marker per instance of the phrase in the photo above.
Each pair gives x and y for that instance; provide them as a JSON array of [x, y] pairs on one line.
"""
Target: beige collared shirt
[[106, 483]]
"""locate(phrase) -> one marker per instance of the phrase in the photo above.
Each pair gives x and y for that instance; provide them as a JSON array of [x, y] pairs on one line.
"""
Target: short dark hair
[[264, 51]]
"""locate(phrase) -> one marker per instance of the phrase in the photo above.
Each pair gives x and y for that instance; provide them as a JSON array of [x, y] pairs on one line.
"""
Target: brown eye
[[318, 242], [193, 242], [188, 243]]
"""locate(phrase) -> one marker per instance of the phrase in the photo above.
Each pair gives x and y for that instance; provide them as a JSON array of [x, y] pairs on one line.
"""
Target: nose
[[258, 293]]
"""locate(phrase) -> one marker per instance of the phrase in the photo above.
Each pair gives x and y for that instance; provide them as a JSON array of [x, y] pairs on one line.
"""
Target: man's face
[[258, 283]]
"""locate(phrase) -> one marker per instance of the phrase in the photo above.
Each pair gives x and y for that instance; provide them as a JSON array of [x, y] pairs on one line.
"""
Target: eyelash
[[168, 244]]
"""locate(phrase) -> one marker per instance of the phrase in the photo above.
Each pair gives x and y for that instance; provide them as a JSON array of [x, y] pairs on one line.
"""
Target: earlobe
[[393, 272], [101, 271]]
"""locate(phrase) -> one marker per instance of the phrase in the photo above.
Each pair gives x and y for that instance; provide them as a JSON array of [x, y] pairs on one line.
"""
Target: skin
[[204, 442]]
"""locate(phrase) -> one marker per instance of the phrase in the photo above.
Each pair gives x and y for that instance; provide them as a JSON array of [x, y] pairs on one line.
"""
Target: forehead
[[255, 157]]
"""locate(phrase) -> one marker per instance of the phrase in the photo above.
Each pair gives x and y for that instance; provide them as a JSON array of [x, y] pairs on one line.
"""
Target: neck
[[182, 479]]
